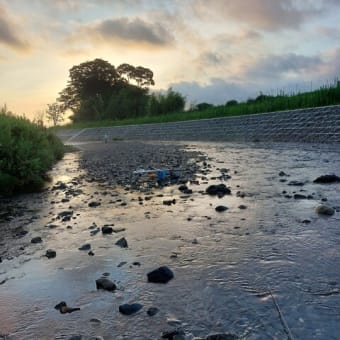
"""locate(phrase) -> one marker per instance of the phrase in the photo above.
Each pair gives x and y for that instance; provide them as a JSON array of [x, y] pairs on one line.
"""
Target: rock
[[107, 230], [65, 215], [221, 208], [296, 183], [121, 264], [94, 204], [36, 239], [176, 334], [169, 202], [106, 284], [122, 243], [64, 309], [50, 253], [324, 210], [86, 246], [242, 207], [184, 189], [218, 190], [129, 309], [90, 253], [161, 275], [282, 173], [306, 221], [95, 231], [152, 311], [136, 263], [327, 179], [300, 196], [75, 337], [226, 336]]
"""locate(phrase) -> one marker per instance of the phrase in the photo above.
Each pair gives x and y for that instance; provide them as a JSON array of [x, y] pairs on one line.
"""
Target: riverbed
[[265, 268]]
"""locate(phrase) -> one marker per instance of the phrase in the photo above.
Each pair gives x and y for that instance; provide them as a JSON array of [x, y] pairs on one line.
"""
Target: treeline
[[97, 90], [27, 152]]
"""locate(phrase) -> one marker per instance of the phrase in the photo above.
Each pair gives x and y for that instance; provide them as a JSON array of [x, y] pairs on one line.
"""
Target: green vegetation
[[324, 96], [27, 152]]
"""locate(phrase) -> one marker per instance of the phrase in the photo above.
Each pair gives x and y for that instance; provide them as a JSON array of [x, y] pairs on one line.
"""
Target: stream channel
[[267, 267]]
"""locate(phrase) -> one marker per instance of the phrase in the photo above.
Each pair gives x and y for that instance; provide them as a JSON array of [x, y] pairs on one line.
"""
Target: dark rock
[[161, 275], [218, 190], [299, 196], [75, 337], [129, 309], [241, 194], [296, 183], [324, 210], [50, 253], [106, 284], [90, 253], [59, 186], [95, 231], [65, 215], [122, 243], [64, 309], [86, 246], [121, 264], [327, 179], [36, 239], [282, 173], [169, 202], [306, 221], [242, 206], [94, 204], [107, 230], [136, 263], [221, 208], [226, 336], [183, 188], [152, 311], [176, 334]]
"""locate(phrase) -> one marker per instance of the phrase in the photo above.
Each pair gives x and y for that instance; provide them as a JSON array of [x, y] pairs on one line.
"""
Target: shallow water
[[232, 269]]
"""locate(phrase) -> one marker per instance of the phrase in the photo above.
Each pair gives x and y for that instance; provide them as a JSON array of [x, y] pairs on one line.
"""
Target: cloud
[[262, 14], [217, 91], [127, 31], [277, 66], [9, 33]]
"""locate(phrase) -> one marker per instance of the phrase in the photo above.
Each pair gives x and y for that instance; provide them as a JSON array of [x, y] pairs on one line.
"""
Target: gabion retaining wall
[[315, 125]]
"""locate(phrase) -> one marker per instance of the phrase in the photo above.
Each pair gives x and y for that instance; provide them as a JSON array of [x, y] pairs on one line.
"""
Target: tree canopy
[[98, 90]]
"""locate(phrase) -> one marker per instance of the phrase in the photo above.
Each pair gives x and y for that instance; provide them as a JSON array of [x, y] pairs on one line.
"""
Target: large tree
[[88, 80]]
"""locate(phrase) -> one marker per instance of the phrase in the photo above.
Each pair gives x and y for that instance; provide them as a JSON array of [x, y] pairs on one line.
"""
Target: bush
[[27, 152]]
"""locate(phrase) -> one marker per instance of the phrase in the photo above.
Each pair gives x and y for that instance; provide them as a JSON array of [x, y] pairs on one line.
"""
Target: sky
[[209, 51]]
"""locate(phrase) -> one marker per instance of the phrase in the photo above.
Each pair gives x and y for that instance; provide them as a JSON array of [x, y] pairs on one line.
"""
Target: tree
[[55, 113], [141, 75], [89, 79]]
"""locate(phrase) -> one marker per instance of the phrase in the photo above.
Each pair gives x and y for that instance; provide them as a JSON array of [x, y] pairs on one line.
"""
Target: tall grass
[[326, 95], [27, 152]]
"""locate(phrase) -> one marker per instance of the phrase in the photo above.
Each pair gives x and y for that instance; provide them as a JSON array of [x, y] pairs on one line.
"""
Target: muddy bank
[[255, 242]]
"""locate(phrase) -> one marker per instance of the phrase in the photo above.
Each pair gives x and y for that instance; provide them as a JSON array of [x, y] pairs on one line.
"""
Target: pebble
[[50, 253], [129, 309], [86, 246], [160, 275], [324, 210], [122, 243], [221, 208], [36, 239], [106, 284]]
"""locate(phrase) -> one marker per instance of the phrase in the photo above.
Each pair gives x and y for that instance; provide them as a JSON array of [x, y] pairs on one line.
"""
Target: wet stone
[[86, 246], [299, 196], [327, 179], [105, 284], [218, 190], [152, 311], [50, 253], [129, 309], [161, 275], [107, 230], [324, 210], [94, 204], [226, 336], [36, 239], [122, 243], [221, 208]]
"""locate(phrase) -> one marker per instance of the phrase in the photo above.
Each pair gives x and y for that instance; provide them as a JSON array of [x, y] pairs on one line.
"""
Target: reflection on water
[[226, 265]]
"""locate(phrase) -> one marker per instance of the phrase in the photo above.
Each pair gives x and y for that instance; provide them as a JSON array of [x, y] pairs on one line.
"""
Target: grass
[[324, 96], [27, 152]]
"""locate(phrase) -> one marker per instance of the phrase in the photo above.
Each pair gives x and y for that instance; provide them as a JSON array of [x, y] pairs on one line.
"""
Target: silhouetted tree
[[55, 113]]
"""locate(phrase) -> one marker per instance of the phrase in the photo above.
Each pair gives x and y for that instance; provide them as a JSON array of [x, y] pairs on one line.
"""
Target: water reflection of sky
[[226, 262]]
